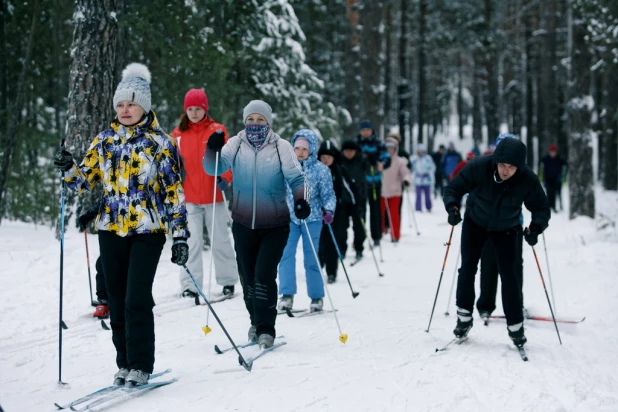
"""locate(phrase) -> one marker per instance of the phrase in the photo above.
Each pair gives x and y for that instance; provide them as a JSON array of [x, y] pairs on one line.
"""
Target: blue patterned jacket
[[318, 180]]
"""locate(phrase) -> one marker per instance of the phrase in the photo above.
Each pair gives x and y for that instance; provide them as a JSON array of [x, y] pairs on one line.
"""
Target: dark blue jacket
[[375, 151], [552, 167]]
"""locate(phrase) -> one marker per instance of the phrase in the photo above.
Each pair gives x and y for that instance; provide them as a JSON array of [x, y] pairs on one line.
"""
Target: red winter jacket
[[198, 185]]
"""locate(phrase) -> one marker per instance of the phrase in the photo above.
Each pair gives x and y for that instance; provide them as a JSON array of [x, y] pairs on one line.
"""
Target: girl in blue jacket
[[322, 200]]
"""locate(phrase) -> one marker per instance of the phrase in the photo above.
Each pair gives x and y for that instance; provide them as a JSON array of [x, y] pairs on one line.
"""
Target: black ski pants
[[473, 239], [329, 257], [129, 264], [258, 253], [552, 187], [100, 281], [349, 211], [374, 196], [489, 274]]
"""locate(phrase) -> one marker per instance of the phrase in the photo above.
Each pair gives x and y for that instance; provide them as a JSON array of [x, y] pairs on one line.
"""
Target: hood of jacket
[[313, 146], [511, 151]]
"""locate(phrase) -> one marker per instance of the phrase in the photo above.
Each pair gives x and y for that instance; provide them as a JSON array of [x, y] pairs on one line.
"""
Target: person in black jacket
[[355, 162], [552, 165], [498, 185], [439, 174], [346, 193], [379, 159]]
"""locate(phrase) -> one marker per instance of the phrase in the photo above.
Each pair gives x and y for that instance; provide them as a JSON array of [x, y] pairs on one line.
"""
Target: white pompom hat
[[134, 86]]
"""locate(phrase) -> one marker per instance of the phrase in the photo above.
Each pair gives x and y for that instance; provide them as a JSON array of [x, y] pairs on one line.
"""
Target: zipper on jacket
[[254, 189]]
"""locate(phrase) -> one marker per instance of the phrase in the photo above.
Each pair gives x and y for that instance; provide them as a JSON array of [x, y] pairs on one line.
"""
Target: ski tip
[[288, 312], [219, 351], [104, 325], [58, 406]]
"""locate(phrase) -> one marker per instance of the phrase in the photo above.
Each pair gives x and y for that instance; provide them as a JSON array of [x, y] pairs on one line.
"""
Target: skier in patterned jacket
[[323, 202], [138, 167]]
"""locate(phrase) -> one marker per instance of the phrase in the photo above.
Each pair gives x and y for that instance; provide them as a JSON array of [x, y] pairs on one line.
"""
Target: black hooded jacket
[[497, 206], [344, 184]]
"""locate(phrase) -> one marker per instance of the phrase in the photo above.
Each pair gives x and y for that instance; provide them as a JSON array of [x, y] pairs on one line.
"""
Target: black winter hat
[[349, 145], [327, 147], [511, 151], [365, 124]]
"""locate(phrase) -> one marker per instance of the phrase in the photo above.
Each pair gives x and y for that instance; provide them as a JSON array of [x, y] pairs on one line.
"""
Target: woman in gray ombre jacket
[[262, 163]]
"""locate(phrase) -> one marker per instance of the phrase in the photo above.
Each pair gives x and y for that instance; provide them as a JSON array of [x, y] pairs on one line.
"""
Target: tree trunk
[[352, 64], [372, 61], [492, 103], [579, 110], [91, 78], [388, 67], [477, 122], [422, 23], [8, 143], [610, 132], [548, 99], [529, 85], [4, 66], [404, 73], [460, 103]]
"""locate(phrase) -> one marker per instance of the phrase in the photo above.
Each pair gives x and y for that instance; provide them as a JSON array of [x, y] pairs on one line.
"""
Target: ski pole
[[88, 263], [371, 247], [551, 282], [448, 246], [343, 337], [61, 324], [206, 328], [411, 209], [241, 360], [332, 235], [390, 217], [452, 283], [546, 294]]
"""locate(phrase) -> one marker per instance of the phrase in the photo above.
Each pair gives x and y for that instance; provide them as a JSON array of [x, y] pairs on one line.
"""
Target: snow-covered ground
[[388, 364]]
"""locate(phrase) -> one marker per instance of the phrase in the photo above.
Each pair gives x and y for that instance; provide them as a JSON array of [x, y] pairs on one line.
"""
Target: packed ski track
[[389, 362]]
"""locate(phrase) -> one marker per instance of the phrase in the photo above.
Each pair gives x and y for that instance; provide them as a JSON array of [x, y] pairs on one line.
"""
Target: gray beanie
[[259, 107], [134, 86]]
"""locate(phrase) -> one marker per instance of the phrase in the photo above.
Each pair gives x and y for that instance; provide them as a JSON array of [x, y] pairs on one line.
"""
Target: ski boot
[[101, 311], [266, 341], [188, 293], [120, 376], [464, 323], [516, 333], [359, 255], [316, 305], [485, 315], [136, 378], [331, 279], [376, 243], [228, 290], [252, 334], [286, 302]]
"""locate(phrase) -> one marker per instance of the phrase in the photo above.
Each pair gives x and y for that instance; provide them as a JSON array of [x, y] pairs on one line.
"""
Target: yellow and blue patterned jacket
[[140, 171]]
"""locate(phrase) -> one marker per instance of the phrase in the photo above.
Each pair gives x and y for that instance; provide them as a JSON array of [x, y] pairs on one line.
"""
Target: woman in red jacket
[[191, 135]]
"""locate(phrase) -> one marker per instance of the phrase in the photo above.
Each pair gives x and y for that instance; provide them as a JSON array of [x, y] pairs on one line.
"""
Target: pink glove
[[327, 217]]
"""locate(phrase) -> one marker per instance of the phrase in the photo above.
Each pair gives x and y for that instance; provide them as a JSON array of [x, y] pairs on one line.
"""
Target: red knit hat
[[553, 148], [196, 97], [470, 155]]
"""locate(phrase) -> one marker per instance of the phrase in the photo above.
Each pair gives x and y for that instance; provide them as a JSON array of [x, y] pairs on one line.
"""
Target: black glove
[[63, 160], [406, 183], [532, 234], [454, 217], [86, 218], [216, 141], [222, 184], [180, 251], [302, 210]]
